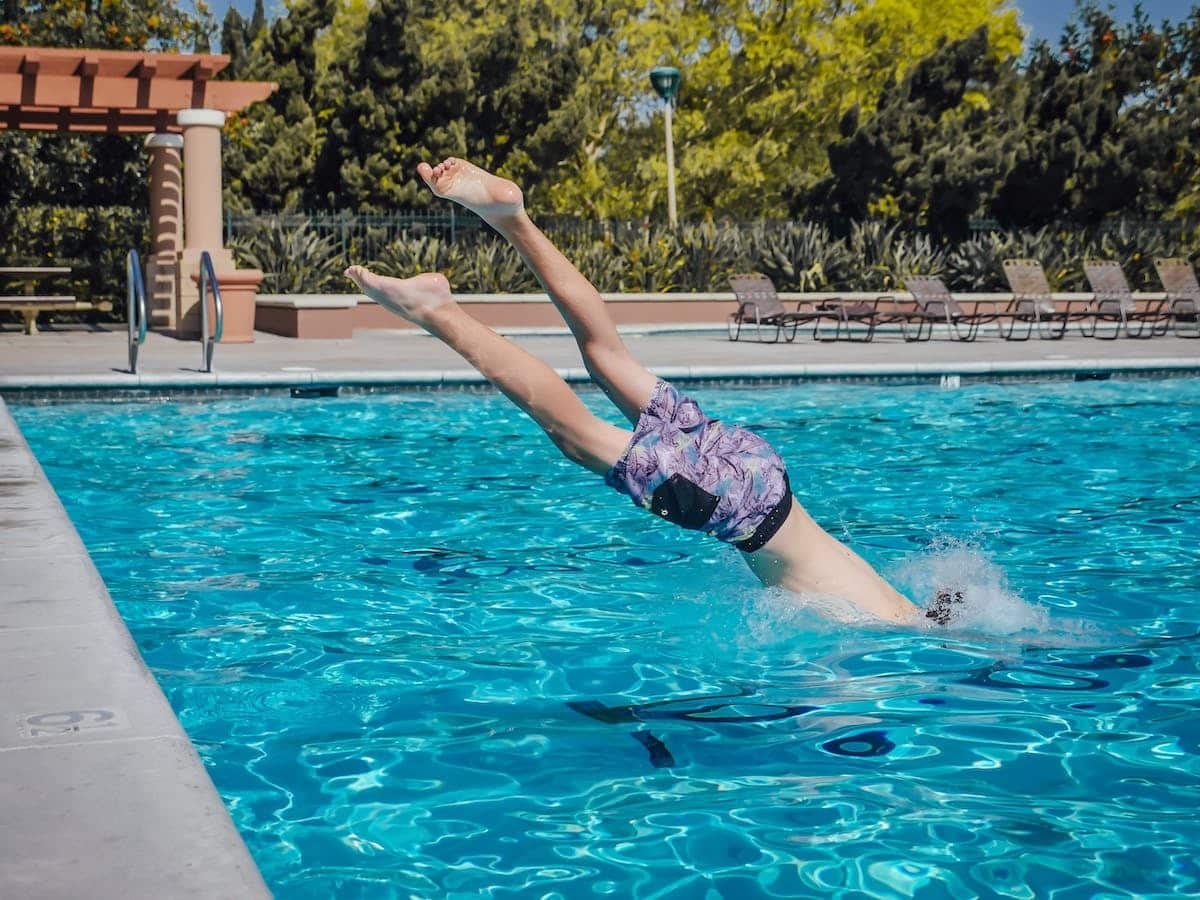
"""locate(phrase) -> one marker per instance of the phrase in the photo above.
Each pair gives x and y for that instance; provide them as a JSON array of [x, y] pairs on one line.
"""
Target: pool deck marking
[[109, 793]]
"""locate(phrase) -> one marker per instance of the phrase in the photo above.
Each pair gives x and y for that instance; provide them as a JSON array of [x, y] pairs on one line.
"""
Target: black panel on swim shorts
[[771, 522], [683, 503]]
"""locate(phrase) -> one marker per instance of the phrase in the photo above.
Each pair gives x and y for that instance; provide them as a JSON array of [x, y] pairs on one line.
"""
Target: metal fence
[[366, 234]]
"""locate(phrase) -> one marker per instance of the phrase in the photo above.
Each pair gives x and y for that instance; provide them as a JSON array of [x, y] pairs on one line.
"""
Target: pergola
[[173, 98]]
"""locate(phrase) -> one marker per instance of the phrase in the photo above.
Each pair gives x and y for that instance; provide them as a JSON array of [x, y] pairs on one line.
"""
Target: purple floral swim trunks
[[702, 474]]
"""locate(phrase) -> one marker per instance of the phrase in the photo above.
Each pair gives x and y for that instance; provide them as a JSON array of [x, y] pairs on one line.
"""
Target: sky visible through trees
[[1043, 19]]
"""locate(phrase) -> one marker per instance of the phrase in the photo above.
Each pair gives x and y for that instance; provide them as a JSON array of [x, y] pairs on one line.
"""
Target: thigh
[[627, 382]]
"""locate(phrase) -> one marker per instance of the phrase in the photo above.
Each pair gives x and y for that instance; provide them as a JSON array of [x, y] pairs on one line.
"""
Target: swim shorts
[[702, 474]]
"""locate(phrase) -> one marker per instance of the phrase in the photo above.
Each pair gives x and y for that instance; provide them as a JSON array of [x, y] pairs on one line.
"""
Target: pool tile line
[[111, 796]]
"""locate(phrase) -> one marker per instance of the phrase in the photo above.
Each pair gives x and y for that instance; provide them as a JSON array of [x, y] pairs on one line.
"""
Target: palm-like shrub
[[1136, 248], [711, 254], [491, 265], [412, 254], [799, 256], [881, 255], [654, 258], [294, 259]]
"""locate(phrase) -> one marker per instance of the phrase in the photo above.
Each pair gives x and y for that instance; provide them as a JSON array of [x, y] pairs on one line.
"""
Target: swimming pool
[[422, 656]]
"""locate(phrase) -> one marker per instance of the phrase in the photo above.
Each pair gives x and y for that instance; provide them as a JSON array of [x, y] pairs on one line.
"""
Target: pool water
[[422, 656]]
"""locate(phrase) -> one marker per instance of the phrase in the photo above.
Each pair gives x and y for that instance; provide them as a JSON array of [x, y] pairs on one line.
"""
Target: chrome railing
[[135, 307], [208, 280]]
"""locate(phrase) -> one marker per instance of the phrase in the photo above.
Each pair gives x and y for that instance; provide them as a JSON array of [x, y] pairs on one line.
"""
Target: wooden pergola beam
[[146, 94], [55, 89], [112, 63]]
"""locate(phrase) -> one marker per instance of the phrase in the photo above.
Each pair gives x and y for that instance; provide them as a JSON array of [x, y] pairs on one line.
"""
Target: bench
[[29, 305]]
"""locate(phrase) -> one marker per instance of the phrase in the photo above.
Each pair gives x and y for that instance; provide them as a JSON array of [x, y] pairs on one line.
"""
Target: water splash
[[989, 604]]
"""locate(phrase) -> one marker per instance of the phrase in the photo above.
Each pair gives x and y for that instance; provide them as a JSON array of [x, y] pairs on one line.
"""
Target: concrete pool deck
[[73, 360], [102, 792]]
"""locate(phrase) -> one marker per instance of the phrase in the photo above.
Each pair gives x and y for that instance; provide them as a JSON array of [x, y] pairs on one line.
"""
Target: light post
[[666, 82]]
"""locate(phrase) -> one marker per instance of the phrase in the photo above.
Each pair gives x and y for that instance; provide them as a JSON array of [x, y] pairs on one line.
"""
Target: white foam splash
[[989, 604]]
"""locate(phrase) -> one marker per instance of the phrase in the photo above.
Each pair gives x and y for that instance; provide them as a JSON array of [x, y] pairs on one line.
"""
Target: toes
[[426, 172], [359, 276]]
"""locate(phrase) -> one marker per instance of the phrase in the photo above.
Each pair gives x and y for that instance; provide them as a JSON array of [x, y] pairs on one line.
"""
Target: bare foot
[[488, 196], [413, 298]]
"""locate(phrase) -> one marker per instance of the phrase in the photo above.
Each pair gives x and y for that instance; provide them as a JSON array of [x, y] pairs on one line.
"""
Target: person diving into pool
[[676, 462]]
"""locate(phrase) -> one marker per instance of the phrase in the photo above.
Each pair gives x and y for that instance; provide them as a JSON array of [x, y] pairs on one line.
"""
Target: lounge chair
[[759, 304], [1183, 294], [870, 313], [933, 304], [1033, 303], [1114, 303]]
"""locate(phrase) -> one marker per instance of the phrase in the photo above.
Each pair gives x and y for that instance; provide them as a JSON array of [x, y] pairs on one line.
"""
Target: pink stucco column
[[201, 210], [166, 227]]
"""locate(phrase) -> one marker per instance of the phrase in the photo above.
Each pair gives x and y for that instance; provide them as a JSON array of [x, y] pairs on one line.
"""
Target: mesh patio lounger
[[1033, 303], [1183, 294], [863, 312], [933, 304], [1114, 303], [759, 304]]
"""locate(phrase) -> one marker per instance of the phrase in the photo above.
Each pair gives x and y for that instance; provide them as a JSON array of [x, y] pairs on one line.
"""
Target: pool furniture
[[29, 304], [1114, 303], [1033, 303], [759, 304], [1183, 294], [933, 304], [882, 310]]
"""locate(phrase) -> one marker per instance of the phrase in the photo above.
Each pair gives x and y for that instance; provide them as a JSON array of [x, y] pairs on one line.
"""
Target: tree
[[480, 80], [68, 169], [1103, 127], [233, 43], [764, 88], [272, 147]]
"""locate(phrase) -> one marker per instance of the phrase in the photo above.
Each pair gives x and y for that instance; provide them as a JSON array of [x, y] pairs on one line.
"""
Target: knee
[[595, 445], [569, 445]]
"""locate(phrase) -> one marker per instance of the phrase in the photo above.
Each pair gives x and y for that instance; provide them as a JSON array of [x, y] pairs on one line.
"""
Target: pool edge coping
[[111, 792], [16, 385]]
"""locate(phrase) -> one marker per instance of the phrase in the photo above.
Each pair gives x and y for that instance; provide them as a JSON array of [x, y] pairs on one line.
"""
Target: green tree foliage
[[486, 81], [272, 148], [84, 170], [764, 86], [1104, 126], [234, 44]]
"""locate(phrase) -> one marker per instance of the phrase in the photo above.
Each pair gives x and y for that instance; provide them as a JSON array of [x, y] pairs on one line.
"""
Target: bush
[[293, 259], [92, 240]]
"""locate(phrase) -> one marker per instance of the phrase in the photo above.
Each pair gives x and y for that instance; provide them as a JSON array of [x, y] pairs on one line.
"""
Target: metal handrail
[[208, 279], [136, 306]]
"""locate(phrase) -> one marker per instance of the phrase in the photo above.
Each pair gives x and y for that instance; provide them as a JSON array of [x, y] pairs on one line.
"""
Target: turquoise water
[[421, 656]]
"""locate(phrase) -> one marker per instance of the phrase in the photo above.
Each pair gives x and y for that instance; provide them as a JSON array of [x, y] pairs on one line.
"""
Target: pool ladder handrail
[[135, 306], [208, 280]]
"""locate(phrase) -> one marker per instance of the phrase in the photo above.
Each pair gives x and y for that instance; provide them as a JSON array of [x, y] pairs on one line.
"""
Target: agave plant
[[882, 255], [493, 266], [294, 259], [600, 262], [409, 255], [799, 256], [653, 258], [1136, 247], [711, 254]]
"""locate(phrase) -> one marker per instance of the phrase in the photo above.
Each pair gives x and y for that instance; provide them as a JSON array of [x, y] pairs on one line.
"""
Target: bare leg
[[526, 380], [499, 203]]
